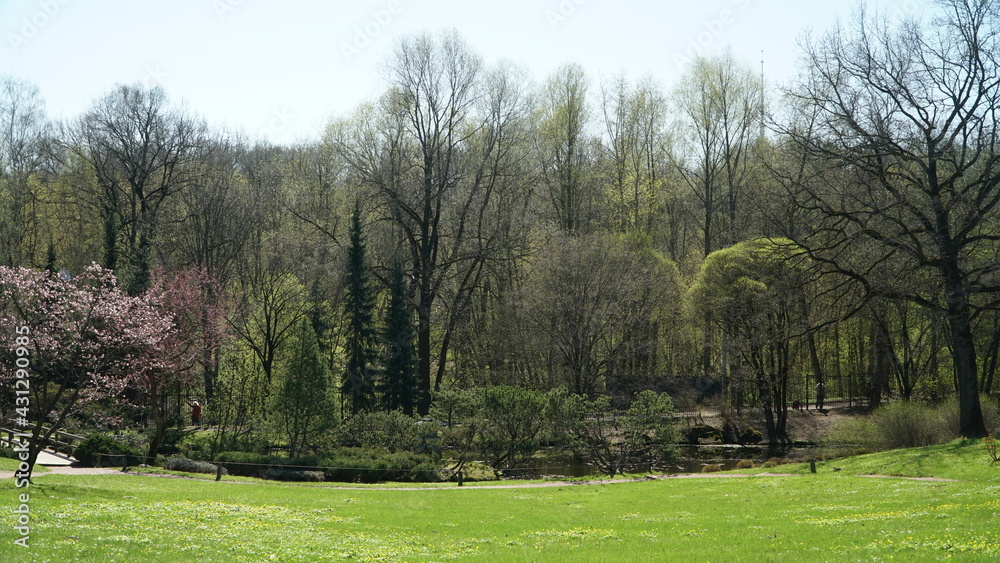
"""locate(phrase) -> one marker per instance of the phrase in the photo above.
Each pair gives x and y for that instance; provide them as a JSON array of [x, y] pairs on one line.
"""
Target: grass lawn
[[830, 516]]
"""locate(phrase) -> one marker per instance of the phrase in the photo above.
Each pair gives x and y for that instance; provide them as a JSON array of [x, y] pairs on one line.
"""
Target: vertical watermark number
[[22, 404]]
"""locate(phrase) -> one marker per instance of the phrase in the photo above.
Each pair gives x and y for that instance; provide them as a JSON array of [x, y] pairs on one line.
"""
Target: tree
[[721, 108], [596, 305], [444, 154], [612, 439], [513, 421], [909, 112], [24, 129], [359, 309], [84, 338], [562, 147], [198, 333], [304, 404], [753, 290], [398, 386], [140, 151], [634, 123]]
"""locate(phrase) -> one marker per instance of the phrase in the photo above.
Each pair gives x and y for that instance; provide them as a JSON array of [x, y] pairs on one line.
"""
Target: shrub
[[191, 466], [389, 431], [711, 468], [86, 453], [354, 465], [751, 436], [344, 464], [277, 474], [744, 464], [769, 463], [247, 464], [902, 424]]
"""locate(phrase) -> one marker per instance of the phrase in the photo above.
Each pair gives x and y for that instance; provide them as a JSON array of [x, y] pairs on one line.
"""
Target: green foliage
[[513, 422], [86, 453], [343, 464], [359, 310], [382, 431], [365, 466], [398, 386], [191, 466], [304, 405], [613, 439], [711, 468], [744, 464], [901, 424]]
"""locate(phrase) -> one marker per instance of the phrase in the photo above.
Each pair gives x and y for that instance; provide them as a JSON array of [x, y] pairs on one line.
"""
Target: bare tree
[[442, 153], [23, 134], [564, 149], [141, 151], [910, 113], [635, 148], [720, 104]]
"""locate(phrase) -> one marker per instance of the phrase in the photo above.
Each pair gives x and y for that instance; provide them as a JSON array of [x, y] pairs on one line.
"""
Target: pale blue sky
[[281, 69]]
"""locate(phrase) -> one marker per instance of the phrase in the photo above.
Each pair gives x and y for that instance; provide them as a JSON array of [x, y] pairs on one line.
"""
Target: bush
[[744, 464], [902, 424], [751, 436], [275, 474], [86, 453], [364, 466], [711, 468], [247, 464], [388, 431], [191, 466], [345, 465]]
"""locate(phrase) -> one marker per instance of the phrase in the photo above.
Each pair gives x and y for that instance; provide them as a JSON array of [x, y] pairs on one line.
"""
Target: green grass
[[7, 464], [830, 516]]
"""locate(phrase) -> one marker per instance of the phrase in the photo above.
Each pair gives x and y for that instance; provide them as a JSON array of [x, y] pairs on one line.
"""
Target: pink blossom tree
[[86, 340], [189, 298]]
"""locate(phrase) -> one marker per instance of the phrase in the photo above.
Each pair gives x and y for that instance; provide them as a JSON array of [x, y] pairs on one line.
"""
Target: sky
[[281, 70]]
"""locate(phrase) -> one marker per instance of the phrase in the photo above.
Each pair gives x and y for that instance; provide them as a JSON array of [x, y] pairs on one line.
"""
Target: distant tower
[[761, 93]]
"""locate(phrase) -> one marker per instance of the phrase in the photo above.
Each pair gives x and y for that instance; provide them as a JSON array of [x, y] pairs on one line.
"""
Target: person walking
[[195, 412], [820, 395]]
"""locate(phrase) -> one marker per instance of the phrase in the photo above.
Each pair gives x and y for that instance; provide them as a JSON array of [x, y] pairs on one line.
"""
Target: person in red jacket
[[195, 412]]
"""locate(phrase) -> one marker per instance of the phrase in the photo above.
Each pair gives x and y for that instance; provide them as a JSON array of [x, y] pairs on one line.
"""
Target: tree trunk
[[971, 424], [159, 423]]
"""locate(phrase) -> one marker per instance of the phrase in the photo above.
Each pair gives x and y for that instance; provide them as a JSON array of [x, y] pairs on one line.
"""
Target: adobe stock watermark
[[279, 121], [562, 12], [155, 75], [22, 407], [225, 7], [697, 44], [366, 33], [31, 26]]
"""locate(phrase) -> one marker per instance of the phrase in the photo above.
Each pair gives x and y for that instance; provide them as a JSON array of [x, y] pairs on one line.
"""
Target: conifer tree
[[358, 380], [304, 400], [399, 382]]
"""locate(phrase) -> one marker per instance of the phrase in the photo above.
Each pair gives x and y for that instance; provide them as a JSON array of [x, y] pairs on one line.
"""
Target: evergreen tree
[[304, 399], [399, 382], [358, 380]]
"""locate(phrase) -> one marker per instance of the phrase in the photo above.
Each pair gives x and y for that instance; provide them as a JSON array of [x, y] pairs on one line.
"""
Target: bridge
[[59, 446]]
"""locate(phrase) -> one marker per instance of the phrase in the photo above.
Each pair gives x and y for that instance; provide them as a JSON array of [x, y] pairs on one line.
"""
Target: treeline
[[469, 228]]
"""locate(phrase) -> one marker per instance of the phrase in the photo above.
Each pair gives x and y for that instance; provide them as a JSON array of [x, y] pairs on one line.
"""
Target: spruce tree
[[399, 382], [303, 402], [359, 307]]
